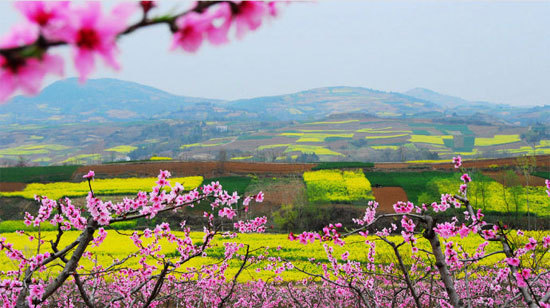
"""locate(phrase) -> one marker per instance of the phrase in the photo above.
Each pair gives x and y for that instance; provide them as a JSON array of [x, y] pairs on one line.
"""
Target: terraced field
[[354, 137]]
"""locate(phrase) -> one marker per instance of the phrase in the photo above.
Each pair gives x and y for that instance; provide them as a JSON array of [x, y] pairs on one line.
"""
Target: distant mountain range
[[113, 100]]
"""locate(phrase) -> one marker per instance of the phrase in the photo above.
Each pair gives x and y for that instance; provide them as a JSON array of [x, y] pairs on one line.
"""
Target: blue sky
[[478, 50]]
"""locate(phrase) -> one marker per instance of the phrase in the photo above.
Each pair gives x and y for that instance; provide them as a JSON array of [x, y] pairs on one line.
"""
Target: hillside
[[322, 102], [112, 100], [100, 100]]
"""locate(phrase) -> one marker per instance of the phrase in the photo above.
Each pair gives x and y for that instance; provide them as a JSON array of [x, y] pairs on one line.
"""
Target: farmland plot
[[337, 186], [100, 186]]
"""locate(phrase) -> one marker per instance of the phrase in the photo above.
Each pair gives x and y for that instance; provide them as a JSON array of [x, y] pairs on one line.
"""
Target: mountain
[[438, 98], [99, 100], [486, 111], [112, 100], [322, 102]]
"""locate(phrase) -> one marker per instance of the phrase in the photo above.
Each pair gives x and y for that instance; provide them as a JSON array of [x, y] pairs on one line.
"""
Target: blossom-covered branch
[[25, 51]]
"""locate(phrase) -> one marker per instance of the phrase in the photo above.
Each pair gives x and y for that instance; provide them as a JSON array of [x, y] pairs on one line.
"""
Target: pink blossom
[[403, 207], [512, 261], [255, 225], [249, 16], [92, 33], [345, 256], [227, 212], [50, 16], [407, 224], [260, 197], [36, 291], [457, 161], [446, 230], [102, 234], [191, 30], [43, 13], [218, 34], [532, 244], [466, 178], [525, 273], [464, 231], [25, 74], [548, 187], [89, 175]]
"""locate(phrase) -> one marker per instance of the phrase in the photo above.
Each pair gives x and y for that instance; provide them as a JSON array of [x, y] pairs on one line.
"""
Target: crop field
[[324, 130], [33, 149], [273, 146], [497, 140], [332, 122], [114, 186], [492, 196], [341, 165], [82, 159], [385, 147], [37, 174], [429, 139], [254, 137], [242, 157], [318, 150], [414, 183], [386, 136], [121, 149], [119, 246], [156, 158], [337, 186], [315, 137], [192, 145]]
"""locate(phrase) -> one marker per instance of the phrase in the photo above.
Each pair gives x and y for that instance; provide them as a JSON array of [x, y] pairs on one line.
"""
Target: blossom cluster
[[92, 34]]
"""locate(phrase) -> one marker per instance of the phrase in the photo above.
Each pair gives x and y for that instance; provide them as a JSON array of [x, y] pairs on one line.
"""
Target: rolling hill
[[112, 100]]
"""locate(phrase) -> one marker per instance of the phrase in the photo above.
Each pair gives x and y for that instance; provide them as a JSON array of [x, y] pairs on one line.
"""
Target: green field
[[414, 183], [542, 174], [37, 174], [341, 165], [232, 183]]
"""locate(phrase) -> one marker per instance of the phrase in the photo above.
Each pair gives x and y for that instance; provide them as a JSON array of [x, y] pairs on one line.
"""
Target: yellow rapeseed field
[[116, 186], [496, 140], [337, 185], [122, 149], [118, 246], [386, 136], [318, 150], [429, 139]]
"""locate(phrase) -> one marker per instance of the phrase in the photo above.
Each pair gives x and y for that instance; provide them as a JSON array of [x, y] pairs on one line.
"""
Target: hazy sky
[[479, 50]]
